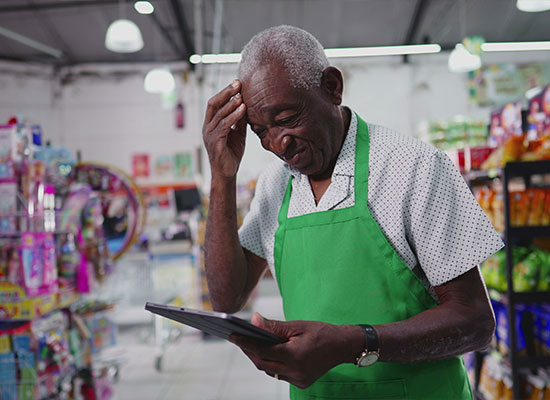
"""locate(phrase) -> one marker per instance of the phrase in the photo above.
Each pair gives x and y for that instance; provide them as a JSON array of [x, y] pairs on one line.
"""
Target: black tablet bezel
[[215, 323]]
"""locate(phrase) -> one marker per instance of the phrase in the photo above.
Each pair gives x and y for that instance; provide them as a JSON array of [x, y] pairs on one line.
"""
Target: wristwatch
[[371, 354]]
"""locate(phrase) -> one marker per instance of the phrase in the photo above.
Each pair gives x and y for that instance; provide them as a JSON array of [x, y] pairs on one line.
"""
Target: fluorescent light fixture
[[195, 59], [144, 7], [159, 80], [461, 60], [515, 46], [533, 92], [383, 51], [332, 53], [533, 5], [215, 58], [123, 36]]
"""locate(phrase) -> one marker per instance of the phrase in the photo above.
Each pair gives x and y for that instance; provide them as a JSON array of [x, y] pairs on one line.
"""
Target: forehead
[[268, 91]]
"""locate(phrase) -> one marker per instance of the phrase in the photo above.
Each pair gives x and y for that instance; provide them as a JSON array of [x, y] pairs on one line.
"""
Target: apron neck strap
[[361, 163]]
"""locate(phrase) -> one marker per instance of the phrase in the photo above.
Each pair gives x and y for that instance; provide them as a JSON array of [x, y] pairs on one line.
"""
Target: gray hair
[[299, 52]]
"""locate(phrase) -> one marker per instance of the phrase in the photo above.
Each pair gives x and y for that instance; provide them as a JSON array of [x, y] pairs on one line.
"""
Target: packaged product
[[512, 149], [537, 207], [502, 330], [491, 382], [508, 391], [494, 159], [546, 209], [546, 378], [8, 207], [474, 157], [544, 277], [526, 273], [497, 206], [534, 389], [543, 321]]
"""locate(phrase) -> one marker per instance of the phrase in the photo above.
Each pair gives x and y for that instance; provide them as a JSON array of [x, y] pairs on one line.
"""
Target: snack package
[[526, 273], [497, 206], [524, 206], [544, 277], [491, 382], [537, 207], [502, 331], [546, 209], [513, 148], [508, 391], [534, 389]]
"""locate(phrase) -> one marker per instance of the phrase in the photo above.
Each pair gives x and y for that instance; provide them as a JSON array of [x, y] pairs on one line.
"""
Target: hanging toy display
[[114, 217]]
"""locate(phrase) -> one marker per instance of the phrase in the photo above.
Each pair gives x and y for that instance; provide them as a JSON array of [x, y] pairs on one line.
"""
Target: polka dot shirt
[[416, 196]]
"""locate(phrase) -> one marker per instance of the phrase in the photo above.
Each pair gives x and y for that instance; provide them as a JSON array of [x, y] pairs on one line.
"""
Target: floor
[[193, 367]]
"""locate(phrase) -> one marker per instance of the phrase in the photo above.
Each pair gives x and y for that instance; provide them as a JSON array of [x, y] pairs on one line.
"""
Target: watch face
[[368, 359]]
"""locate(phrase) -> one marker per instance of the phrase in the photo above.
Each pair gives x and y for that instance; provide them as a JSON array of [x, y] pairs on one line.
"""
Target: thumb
[[277, 327]]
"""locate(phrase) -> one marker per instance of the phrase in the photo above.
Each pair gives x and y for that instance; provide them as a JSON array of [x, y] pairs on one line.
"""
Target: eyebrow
[[273, 111]]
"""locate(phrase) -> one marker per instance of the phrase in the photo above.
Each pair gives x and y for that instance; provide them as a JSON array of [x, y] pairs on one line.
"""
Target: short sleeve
[[257, 233], [448, 230]]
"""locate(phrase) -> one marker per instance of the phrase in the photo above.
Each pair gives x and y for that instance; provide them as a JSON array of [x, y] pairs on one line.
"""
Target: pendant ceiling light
[[533, 5], [159, 80], [123, 36], [461, 60], [144, 7]]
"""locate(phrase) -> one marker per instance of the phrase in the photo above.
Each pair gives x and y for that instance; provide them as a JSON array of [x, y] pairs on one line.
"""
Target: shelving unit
[[524, 170], [512, 298]]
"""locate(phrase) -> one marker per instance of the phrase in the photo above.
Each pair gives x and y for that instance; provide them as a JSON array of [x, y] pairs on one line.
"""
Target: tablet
[[215, 323]]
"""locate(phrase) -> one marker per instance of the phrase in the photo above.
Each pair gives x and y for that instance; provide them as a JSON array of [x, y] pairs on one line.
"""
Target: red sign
[[140, 166]]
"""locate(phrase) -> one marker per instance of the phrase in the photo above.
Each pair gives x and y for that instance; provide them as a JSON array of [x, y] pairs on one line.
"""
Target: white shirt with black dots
[[415, 194]]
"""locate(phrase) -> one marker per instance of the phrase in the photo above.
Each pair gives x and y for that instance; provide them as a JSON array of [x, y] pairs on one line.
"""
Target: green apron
[[338, 267]]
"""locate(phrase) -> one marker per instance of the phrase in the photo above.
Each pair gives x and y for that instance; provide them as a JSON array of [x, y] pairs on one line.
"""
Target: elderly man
[[373, 236]]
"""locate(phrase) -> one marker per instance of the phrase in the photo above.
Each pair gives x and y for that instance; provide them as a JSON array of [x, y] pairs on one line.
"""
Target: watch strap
[[371, 338]]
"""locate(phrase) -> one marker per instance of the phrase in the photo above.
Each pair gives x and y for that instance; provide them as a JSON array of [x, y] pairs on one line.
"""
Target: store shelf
[[524, 170], [530, 297], [16, 306], [519, 297], [533, 362], [528, 232], [518, 168], [473, 177]]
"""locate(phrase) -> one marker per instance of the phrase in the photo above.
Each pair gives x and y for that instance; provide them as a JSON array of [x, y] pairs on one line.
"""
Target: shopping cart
[[166, 274]]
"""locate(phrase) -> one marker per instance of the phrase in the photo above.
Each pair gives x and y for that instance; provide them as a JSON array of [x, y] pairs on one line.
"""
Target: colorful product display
[[529, 207], [531, 270], [52, 248]]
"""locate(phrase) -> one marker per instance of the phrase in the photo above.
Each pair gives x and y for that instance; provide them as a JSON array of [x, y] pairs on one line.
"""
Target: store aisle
[[196, 369]]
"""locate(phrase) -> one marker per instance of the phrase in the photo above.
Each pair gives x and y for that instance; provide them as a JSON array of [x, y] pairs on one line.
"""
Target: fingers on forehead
[[221, 98]]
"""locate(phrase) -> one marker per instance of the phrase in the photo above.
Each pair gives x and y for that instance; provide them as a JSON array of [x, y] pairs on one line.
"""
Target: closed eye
[[287, 120]]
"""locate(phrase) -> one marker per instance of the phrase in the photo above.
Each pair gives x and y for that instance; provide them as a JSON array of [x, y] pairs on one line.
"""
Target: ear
[[332, 84]]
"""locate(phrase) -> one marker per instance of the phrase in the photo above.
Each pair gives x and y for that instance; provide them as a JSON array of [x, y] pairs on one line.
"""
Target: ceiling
[[177, 27]]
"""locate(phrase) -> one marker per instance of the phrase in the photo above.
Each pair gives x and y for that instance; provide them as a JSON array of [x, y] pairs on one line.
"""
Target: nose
[[277, 141]]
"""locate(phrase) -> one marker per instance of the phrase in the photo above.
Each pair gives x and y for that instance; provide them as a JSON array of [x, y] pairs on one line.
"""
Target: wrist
[[354, 342], [220, 180]]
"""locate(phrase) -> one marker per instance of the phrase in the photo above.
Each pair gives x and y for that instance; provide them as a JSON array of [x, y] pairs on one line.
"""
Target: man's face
[[297, 125]]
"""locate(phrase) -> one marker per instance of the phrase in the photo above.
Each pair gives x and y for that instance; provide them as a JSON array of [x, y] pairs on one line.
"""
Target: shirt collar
[[345, 164]]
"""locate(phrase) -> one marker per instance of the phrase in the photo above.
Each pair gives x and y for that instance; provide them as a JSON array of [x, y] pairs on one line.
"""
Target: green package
[[526, 273]]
